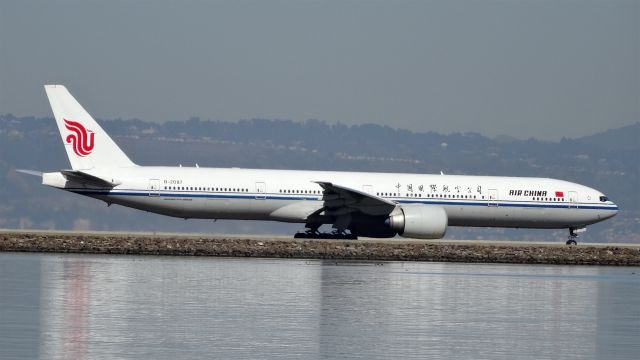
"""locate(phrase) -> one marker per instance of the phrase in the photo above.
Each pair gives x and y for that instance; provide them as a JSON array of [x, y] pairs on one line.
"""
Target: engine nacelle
[[419, 221]]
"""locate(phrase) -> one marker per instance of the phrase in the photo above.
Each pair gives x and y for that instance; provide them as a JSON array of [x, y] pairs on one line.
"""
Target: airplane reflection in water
[[109, 306]]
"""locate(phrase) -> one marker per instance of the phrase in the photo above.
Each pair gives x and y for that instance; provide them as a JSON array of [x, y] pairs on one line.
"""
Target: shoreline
[[266, 246]]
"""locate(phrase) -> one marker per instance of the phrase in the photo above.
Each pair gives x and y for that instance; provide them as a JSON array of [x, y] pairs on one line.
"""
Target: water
[[99, 307]]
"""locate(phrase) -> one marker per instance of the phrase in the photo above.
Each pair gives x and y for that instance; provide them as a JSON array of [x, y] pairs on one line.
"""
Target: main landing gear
[[313, 233], [573, 235], [339, 231]]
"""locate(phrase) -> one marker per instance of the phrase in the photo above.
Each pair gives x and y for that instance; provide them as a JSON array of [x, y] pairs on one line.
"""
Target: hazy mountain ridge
[[607, 161]]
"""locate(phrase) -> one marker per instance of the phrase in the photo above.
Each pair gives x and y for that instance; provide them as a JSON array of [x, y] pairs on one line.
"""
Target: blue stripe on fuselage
[[253, 196]]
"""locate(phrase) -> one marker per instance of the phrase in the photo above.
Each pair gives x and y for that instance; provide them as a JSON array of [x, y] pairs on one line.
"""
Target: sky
[[543, 69]]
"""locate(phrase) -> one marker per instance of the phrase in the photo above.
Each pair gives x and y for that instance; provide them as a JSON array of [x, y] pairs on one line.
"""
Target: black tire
[[572, 242]]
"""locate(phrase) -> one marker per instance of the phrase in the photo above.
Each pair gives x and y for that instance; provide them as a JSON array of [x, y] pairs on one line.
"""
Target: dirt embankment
[[318, 249]]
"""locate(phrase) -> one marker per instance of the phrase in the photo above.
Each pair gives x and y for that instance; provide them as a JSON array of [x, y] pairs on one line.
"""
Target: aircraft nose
[[612, 212]]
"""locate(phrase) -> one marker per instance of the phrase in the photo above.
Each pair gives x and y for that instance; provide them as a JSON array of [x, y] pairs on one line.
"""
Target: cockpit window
[[604, 199]]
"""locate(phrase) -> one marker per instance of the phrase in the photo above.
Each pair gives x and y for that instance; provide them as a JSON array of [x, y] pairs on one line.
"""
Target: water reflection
[[168, 308], [20, 294], [459, 311], [77, 307], [76, 303]]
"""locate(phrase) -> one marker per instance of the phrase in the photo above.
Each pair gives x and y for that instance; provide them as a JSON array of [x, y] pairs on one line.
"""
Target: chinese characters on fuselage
[[435, 188]]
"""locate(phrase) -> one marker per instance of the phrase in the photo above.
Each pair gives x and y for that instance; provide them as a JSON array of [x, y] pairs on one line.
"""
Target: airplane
[[379, 205]]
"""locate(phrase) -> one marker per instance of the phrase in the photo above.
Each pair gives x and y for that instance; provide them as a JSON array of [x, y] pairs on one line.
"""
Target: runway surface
[[286, 247]]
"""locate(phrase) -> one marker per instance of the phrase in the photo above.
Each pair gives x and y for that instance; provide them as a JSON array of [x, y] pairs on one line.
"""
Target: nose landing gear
[[573, 235]]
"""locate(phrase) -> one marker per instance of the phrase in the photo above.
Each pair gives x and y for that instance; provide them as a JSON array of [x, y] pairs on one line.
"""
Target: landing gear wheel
[[336, 235], [311, 232], [343, 235], [573, 236]]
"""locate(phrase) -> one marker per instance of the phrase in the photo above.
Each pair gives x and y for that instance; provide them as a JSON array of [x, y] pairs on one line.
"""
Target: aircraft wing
[[339, 199], [85, 178]]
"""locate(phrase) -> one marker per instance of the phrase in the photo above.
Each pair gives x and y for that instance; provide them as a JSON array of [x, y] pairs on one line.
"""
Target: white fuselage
[[366, 204], [291, 196]]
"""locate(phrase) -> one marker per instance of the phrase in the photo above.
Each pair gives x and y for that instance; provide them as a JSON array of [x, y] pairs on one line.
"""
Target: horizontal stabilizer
[[83, 177], [30, 172]]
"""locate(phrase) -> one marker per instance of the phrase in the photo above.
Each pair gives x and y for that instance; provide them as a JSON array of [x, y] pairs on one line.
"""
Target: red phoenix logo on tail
[[81, 139]]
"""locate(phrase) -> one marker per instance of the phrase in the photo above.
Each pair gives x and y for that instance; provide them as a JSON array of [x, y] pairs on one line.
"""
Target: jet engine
[[419, 221]]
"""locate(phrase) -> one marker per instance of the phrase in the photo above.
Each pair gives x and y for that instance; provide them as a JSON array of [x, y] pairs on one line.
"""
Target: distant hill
[[624, 138], [607, 161]]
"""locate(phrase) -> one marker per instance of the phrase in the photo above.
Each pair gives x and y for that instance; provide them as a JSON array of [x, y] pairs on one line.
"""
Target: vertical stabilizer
[[88, 146]]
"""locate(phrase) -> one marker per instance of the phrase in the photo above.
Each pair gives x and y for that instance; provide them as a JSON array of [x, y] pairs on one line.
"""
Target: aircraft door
[[154, 187], [367, 189], [573, 199], [260, 191], [492, 197]]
